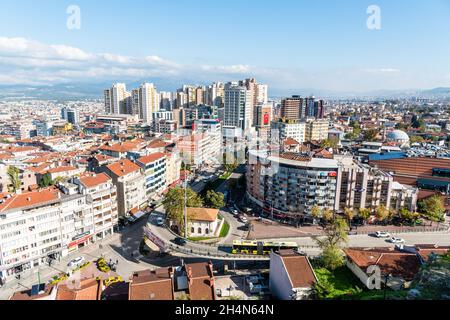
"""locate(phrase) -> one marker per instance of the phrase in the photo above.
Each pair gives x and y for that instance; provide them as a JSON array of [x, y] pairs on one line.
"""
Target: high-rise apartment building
[[146, 100], [238, 106], [293, 108], [115, 99]]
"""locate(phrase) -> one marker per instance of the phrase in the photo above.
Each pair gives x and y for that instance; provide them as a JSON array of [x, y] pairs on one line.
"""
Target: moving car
[[382, 234], [180, 241], [396, 240], [76, 262]]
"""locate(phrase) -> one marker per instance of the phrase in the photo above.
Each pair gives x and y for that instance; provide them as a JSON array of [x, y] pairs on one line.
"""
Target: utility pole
[[185, 207]]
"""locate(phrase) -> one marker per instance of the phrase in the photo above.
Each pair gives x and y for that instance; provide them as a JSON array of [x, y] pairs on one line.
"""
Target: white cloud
[[24, 61]]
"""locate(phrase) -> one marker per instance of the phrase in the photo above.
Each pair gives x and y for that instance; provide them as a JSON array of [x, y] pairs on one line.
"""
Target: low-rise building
[[291, 275], [202, 222]]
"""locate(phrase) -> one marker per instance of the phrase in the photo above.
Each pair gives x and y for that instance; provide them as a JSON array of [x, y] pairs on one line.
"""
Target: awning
[[137, 215]]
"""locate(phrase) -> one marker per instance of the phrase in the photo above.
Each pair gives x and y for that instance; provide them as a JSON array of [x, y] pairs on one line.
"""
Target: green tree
[[316, 213], [14, 178], [432, 208], [332, 243], [330, 143], [364, 213], [407, 215], [214, 199], [322, 289], [349, 214], [46, 180], [382, 213], [327, 215], [416, 139], [370, 135], [174, 204]]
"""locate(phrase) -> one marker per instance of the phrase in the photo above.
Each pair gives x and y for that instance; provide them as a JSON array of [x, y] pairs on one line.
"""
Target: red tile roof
[[90, 181], [123, 167], [151, 285], [298, 268], [400, 264], [89, 289], [151, 158], [29, 199]]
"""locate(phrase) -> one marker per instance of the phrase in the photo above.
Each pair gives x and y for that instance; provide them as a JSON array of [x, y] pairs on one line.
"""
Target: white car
[[382, 234], [396, 240], [235, 212], [76, 262], [243, 219]]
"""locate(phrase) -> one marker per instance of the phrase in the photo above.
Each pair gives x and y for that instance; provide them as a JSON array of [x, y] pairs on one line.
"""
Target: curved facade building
[[291, 184]]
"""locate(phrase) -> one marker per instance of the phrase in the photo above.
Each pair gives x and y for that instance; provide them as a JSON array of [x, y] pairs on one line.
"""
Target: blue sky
[[288, 44]]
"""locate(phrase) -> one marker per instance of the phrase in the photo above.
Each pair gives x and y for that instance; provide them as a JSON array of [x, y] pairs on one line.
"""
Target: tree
[[14, 178], [46, 180], [416, 139], [407, 215], [214, 199], [432, 208], [364, 213], [330, 143], [322, 289], [349, 214], [174, 204], [370, 135], [315, 212], [382, 213], [332, 243], [327, 215]]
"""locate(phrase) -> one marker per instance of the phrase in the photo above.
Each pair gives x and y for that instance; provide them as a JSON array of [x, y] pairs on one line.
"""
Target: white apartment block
[[294, 129], [154, 167], [238, 106], [44, 225], [102, 194], [115, 99]]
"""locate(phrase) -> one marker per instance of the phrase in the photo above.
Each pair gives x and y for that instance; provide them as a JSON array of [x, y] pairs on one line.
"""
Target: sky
[[290, 45]]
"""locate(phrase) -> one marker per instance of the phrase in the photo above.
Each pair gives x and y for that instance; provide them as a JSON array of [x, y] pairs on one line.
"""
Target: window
[[199, 230], [206, 231], [192, 230]]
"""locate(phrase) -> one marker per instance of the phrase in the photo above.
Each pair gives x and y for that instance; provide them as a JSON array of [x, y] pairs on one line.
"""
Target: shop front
[[80, 241]]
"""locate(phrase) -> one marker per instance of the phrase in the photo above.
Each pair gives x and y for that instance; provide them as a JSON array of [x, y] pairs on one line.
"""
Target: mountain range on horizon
[[81, 91]]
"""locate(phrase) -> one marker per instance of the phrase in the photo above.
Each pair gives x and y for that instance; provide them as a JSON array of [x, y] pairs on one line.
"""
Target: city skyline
[[289, 53]]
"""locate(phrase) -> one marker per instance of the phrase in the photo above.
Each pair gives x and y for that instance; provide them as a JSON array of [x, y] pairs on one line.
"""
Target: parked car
[[180, 241], [235, 212], [382, 234], [243, 219], [76, 262], [396, 240]]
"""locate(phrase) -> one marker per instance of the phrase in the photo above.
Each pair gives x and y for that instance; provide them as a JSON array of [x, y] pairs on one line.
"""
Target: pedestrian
[[117, 262]]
